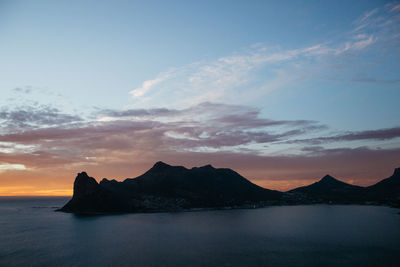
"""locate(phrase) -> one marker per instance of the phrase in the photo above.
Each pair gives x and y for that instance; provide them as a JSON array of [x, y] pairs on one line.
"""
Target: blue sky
[[95, 52], [325, 71]]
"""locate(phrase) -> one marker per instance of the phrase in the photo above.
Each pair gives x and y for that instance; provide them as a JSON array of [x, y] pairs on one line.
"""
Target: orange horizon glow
[[33, 192], [35, 185], [274, 98]]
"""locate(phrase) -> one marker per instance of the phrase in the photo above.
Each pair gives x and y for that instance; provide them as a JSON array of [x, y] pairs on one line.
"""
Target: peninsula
[[176, 188]]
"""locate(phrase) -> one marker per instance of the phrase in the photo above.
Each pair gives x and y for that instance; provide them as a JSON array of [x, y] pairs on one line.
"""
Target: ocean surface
[[33, 234]]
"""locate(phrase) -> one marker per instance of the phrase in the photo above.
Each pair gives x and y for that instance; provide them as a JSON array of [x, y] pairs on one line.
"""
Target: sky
[[283, 92]]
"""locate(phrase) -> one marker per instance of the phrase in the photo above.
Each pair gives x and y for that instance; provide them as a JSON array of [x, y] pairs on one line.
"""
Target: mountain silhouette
[[387, 190], [327, 184], [90, 197], [166, 187], [329, 189], [175, 188]]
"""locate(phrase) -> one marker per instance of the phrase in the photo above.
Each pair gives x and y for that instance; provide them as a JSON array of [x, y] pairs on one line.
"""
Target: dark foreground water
[[32, 234]]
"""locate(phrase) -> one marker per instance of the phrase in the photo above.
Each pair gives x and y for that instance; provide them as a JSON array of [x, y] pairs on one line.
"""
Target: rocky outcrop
[[90, 197]]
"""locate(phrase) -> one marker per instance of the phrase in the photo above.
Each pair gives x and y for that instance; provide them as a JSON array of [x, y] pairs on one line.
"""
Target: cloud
[[147, 85], [137, 137], [207, 127], [6, 166], [362, 41], [214, 81], [204, 125], [225, 135], [365, 19], [142, 113], [380, 134], [197, 129], [19, 118], [258, 70], [203, 128], [380, 20], [374, 80], [23, 90], [394, 7]]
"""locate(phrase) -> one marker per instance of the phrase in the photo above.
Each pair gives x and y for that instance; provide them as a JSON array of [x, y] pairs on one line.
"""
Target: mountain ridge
[[175, 188], [169, 188]]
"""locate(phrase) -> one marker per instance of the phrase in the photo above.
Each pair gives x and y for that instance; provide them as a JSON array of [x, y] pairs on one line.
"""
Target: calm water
[[31, 234]]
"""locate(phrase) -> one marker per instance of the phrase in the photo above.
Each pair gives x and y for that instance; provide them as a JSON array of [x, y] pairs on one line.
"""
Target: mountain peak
[[82, 175], [84, 184], [84, 178], [159, 166], [208, 166], [104, 180], [327, 178]]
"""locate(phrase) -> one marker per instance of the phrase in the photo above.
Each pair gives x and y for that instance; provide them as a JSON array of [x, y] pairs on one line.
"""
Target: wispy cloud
[[394, 7], [381, 134], [23, 90], [360, 42], [226, 135], [5, 167], [365, 19], [147, 85], [382, 21], [21, 118], [217, 80], [256, 71], [203, 125]]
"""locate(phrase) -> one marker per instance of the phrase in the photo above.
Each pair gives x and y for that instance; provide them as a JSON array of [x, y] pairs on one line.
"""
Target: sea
[[32, 233]]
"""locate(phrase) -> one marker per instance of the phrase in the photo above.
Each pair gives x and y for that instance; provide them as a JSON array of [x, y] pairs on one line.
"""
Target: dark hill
[[329, 189], [197, 187], [387, 190], [165, 187], [175, 188]]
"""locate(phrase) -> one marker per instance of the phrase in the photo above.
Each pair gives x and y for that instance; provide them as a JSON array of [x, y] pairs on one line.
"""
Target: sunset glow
[[116, 89]]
